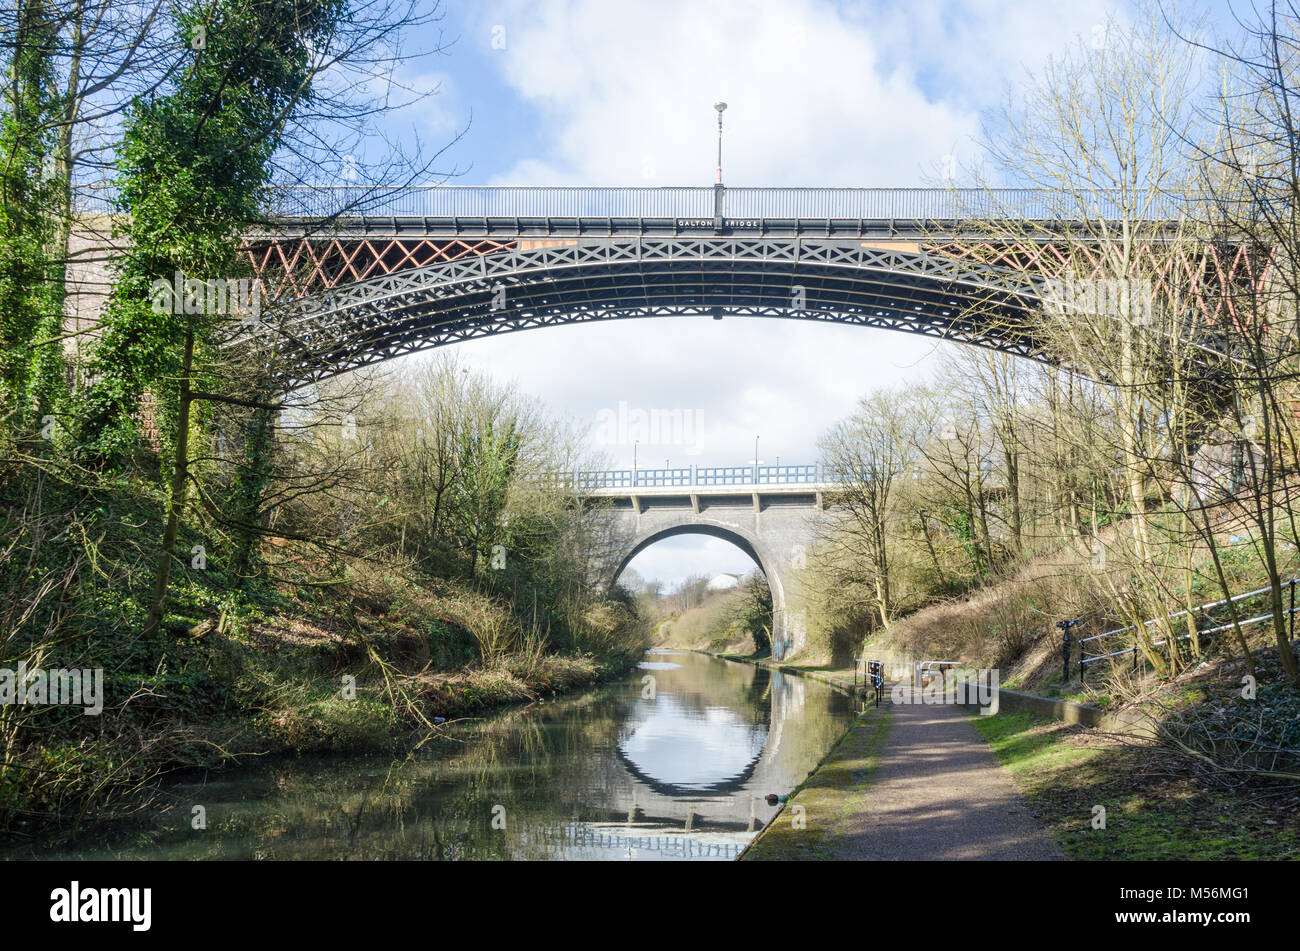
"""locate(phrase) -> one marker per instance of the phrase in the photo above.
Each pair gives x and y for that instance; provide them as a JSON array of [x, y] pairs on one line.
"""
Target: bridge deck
[[504, 227], [493, 211], [790, 488]]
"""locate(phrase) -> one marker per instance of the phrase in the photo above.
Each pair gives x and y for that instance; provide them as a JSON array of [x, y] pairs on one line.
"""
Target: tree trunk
[[176, 502]]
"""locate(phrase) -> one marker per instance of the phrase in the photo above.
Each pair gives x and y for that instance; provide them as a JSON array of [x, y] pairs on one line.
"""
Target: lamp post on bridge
[[635, 443], [756, 461], [721, 107], [718, 190]]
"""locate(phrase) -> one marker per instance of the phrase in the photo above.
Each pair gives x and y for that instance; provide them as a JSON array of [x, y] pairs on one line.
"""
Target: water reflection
[[676, 772], [677, 750], [687, 736]]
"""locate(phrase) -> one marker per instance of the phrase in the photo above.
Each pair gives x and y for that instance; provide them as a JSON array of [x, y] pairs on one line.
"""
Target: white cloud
[[629, 88], [438, 116], [860, 94], [865, 94]]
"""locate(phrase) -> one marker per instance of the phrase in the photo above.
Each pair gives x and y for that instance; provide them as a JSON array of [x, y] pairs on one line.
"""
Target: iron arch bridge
[[606, 279], [403, 271]]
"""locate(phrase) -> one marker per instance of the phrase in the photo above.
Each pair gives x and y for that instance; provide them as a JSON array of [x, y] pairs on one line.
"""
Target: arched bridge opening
[[775, 525], [730, 536]]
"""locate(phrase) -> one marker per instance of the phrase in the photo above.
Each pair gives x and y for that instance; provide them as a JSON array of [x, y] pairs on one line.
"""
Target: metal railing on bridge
[[468, 201], [696, 477], [675, 202]]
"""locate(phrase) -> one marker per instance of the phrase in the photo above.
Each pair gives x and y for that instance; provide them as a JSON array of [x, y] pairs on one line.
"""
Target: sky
[[621, 92]]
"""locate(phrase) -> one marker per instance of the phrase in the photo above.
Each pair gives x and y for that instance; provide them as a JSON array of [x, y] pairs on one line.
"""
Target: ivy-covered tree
[[30, 297], [194, 163]]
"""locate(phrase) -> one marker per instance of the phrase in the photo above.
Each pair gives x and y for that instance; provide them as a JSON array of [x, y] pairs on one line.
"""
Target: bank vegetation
[[254, 566], [1145, 464]]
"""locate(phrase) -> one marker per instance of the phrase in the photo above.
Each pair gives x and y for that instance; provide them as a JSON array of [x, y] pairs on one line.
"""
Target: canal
[[673, 761]]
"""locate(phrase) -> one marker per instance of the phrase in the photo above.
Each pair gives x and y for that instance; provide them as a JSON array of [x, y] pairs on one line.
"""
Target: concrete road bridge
[[772, 513]]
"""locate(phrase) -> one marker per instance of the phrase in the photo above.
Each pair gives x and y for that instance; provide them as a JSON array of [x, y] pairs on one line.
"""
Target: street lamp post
[[721, 107], [635, 442]]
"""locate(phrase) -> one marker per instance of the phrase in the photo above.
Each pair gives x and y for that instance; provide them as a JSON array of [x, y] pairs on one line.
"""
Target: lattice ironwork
[[299, 267], [355, 275], [1212, 276], [574, 281]]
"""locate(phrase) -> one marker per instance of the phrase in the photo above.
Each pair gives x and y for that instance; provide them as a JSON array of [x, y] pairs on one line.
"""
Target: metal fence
[[1085, 659], [473, 201], [899, 203], [695, 477], [468, 201]]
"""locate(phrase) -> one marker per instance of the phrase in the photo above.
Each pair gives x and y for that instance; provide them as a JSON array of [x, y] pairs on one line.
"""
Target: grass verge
[[1157, 807], [807, 828]]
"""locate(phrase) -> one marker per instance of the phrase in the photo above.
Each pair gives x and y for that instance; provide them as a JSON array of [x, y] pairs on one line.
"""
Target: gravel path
[[938, 793]]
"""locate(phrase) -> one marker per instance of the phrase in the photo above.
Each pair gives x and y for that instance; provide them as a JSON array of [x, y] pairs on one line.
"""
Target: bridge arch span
[[768, 560], [535, 283], [752, 546], [774, 525]]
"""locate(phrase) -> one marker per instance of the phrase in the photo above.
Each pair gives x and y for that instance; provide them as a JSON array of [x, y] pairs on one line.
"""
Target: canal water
[[674, 761]]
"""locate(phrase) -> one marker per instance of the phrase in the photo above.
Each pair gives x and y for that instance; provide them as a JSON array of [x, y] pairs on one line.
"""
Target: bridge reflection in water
[[616, 839], [622, 772], [697, 757]]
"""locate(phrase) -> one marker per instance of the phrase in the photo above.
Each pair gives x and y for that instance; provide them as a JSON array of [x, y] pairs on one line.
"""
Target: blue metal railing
[[696, 477], [473, 201]]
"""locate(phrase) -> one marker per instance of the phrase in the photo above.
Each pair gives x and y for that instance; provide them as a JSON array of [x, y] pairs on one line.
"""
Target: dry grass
[[711, 626], [998, 624], [1159, 805]]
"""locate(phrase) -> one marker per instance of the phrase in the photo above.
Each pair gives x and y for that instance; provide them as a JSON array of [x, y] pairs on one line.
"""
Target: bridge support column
[[790, 619]]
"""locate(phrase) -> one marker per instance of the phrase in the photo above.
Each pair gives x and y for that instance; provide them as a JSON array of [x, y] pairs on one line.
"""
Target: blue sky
[[620, 92]]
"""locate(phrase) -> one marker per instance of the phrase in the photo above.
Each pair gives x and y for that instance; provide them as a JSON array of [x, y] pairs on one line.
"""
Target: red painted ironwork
[[291, 268], [1195, 272]]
